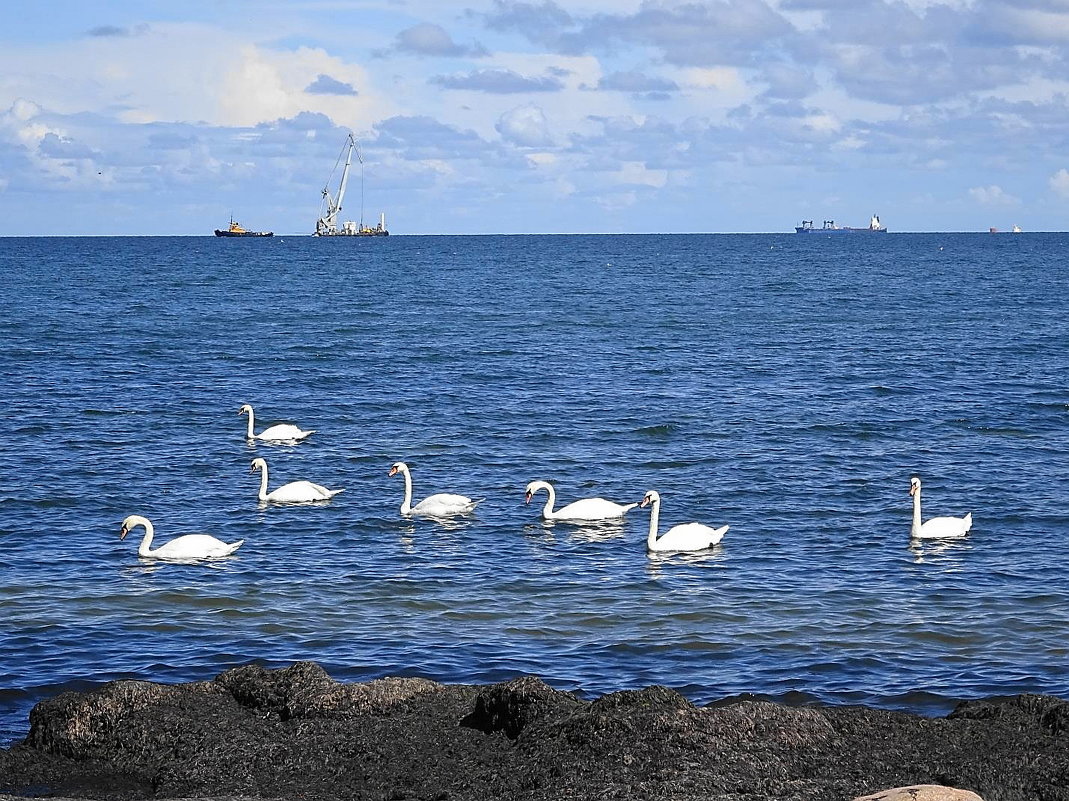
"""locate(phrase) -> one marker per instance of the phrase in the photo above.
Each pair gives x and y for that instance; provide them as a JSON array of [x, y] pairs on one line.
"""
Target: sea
[[787, 386]]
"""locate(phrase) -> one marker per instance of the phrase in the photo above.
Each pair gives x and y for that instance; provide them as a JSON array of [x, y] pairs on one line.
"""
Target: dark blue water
[[788, 386]]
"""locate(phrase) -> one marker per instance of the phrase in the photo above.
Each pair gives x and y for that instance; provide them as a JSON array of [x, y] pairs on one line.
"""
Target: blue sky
[[558, 116]]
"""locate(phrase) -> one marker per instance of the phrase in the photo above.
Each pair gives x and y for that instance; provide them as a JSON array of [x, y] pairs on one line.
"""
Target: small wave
[[117, 412], [882, 391], [663, 430], [999, 431]]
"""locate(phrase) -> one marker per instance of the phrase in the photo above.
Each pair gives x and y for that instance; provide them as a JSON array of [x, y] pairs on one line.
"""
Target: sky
[[549, 116]]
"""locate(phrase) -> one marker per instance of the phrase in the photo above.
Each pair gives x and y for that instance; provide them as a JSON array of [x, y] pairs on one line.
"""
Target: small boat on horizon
[[237, 230], [829, 227]]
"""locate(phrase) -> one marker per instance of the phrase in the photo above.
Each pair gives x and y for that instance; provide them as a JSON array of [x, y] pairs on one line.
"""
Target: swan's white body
[[444, 504], [283, 432], [184, 548], [294, 492], [685, 537], [937, 527], [585, 509]]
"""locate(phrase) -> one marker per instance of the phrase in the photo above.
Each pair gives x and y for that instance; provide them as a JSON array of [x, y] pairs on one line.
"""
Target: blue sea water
[[788, 386]]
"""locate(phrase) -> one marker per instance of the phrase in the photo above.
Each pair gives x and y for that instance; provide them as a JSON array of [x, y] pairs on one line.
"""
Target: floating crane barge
[[327, 224]]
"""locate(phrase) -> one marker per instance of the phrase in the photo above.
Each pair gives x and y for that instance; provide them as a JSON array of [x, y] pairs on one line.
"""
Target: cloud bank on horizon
[[550, 116]]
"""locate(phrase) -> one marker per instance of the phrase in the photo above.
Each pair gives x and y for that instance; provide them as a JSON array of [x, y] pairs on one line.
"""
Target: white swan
[[585, 509], [444, 504], [283, 432], [184, 548], [937, 527], [294, 492], [685, 537]]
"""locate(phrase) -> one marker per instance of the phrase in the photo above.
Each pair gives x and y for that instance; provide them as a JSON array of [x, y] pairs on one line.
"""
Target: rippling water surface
[[788, 386]]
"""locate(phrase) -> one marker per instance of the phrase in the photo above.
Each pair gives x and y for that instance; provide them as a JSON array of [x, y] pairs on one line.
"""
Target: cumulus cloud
[[325, 85], [992, 196], [540, 22], [427, 39], [421, 138], [498, 81], [104, 31], [685, 33], [525, 126], [895, 53], [23, 110], [62, 147], [634, 81], [787, 81], [1059, 183]]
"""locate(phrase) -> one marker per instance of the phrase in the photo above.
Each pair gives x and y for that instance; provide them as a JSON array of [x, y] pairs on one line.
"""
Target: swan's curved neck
[[263, 478], [915, 529], [551, 499], [655, 514], [250, 435], [406, 504], [144, 548]]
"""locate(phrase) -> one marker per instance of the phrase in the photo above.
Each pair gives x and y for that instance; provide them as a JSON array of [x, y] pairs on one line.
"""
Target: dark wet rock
[[304, 690], [510, 706], [296, 733], [1020, 710]]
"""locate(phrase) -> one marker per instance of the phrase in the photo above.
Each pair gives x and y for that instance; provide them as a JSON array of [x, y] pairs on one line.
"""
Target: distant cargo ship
[[237, 230], [830, 227]]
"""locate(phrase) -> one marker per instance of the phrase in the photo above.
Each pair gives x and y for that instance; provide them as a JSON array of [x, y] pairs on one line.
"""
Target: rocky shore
[[295, 733]]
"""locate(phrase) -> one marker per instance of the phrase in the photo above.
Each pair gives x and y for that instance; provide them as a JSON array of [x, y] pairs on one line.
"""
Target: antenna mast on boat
[[360, 159], [327, 224]]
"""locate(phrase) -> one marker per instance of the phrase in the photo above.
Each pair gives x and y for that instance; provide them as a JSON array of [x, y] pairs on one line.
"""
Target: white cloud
[[542, 159], [525, 126], [992, 196], [185, 72], [24, 109], [723, 86], [498, 81], [1059, 183], [265, 85], [427, 39], [635, 172]]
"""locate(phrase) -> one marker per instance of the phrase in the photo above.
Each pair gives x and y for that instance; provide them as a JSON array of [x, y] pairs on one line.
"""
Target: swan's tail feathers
[[718, 534], [232, 547], [475, 503], [968, 523], [335, 492], [306, 434], [628, 507]]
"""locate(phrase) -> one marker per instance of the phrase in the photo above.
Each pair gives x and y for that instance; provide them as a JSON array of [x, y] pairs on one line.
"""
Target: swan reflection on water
[[710, 557], [409, 529], [582, 530], [939, 551], [149, 566]]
